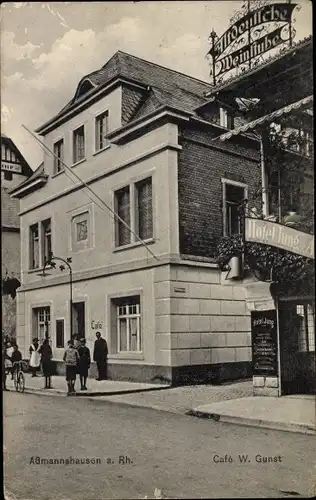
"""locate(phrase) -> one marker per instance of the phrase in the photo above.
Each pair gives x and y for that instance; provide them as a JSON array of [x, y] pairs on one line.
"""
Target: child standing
[[71, 359]]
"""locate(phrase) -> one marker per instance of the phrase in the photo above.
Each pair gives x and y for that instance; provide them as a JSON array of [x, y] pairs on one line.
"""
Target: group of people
[[76, 358]]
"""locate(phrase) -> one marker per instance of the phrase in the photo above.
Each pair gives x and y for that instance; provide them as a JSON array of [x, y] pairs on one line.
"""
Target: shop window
[[60, 333], [59, 156], [8, 176], [122, 202], [78, 144], [144, 209], [101, 131], [306, 327], [233, 196], [128, 324], [41, 322]]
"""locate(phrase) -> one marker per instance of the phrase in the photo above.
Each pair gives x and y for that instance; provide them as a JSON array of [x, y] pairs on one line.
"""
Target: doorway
[[78, 319], [297, 347]]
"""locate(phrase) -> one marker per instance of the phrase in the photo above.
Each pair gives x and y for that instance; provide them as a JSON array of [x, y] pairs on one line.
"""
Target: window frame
[[41, 238], [59, 162], [124, 303], [134, 211], [44, 309], [74, 134], [225, 182], [228, 121], [97, 146]]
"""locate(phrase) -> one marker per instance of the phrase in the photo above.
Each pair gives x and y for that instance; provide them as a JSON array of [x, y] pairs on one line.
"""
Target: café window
[[233, 195], [41, 322], [128, 324]]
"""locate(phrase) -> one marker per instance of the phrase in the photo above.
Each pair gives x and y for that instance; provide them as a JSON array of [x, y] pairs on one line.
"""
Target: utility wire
[[115, 215]]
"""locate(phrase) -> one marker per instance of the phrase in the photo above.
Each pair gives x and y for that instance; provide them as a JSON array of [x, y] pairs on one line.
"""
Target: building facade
[[14, 170], [132, 143]]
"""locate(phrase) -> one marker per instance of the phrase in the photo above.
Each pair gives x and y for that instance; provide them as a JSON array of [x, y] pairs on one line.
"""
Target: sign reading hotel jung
[[245, 34], [264, 343], [277, 235]]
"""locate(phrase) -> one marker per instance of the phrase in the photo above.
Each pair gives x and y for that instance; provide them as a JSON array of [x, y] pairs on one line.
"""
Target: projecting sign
[[12, 167], [264, 343], [252, 35], [277, 235]]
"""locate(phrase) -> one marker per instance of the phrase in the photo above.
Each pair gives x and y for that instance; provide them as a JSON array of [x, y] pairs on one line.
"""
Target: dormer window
[[84, 88], [225, 118]]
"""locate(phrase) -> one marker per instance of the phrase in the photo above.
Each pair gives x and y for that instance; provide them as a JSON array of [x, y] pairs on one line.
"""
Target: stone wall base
[[176, 375]]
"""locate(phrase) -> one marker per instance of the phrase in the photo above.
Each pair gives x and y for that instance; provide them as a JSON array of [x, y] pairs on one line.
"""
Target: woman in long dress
[[35, 357], [46, 360]]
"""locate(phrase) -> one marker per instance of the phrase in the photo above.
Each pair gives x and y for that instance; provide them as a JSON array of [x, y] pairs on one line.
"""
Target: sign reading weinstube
[[12, 167], [251, 36], [277, 235]]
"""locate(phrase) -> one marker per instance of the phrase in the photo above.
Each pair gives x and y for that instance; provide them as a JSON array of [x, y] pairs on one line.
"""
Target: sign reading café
[[251, 36], [277, 235]]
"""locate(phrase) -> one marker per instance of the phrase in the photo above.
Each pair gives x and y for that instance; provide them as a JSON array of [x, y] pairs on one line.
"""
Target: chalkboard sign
[[264, 343]]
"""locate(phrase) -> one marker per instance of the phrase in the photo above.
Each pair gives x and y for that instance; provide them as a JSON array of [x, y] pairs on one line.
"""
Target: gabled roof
[[26, 169], [172, 87], [37, 179]]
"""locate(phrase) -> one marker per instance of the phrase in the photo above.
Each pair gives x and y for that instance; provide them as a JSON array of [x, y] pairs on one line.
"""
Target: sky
[[46, 48]]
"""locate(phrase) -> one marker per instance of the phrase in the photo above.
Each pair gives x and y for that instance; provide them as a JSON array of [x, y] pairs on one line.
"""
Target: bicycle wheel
[[21, 382]]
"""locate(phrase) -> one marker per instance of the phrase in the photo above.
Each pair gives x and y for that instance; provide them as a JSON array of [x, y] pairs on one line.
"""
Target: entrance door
[[78, 319], [297, 347]]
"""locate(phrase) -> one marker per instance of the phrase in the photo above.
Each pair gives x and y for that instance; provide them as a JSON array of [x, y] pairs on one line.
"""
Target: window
[[122, 201], [40, 243], [305, 317], [34, 247], [233, 195], [60, 333], [47, 240], [78, 144], [8, 176], [144, 210], [128, 325], [134, 205], [225, 118], [41, 316], [101, 131], [59, 156]]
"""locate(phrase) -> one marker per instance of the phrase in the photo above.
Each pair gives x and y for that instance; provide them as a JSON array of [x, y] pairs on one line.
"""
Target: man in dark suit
[[100, 354]]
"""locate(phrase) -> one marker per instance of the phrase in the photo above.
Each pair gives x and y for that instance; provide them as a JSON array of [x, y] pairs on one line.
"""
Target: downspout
[[265, 194]]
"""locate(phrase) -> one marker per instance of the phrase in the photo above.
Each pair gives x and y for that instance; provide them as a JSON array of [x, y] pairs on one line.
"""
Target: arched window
[[83, 88]]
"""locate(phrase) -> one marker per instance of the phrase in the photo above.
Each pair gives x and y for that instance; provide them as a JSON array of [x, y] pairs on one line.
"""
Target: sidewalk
[[288, 413], [95, 388]]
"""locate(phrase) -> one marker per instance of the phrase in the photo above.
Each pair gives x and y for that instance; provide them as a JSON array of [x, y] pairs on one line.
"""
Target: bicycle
[[18, 375]]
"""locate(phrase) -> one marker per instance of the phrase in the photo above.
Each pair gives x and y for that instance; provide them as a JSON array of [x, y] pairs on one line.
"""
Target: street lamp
[[51, 261]]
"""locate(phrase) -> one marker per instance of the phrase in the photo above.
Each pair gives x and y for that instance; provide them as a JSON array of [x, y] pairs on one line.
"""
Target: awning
[[267, 118]]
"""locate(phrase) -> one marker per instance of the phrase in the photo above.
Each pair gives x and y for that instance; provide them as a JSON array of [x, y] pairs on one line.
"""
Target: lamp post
[[51, 261]]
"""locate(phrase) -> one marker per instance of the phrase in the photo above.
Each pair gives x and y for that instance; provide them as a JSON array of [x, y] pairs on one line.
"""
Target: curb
[[256, 422], [81, 394]]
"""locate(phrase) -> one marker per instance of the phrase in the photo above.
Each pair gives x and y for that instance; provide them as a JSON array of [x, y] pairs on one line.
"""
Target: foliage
[[269, 262]]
